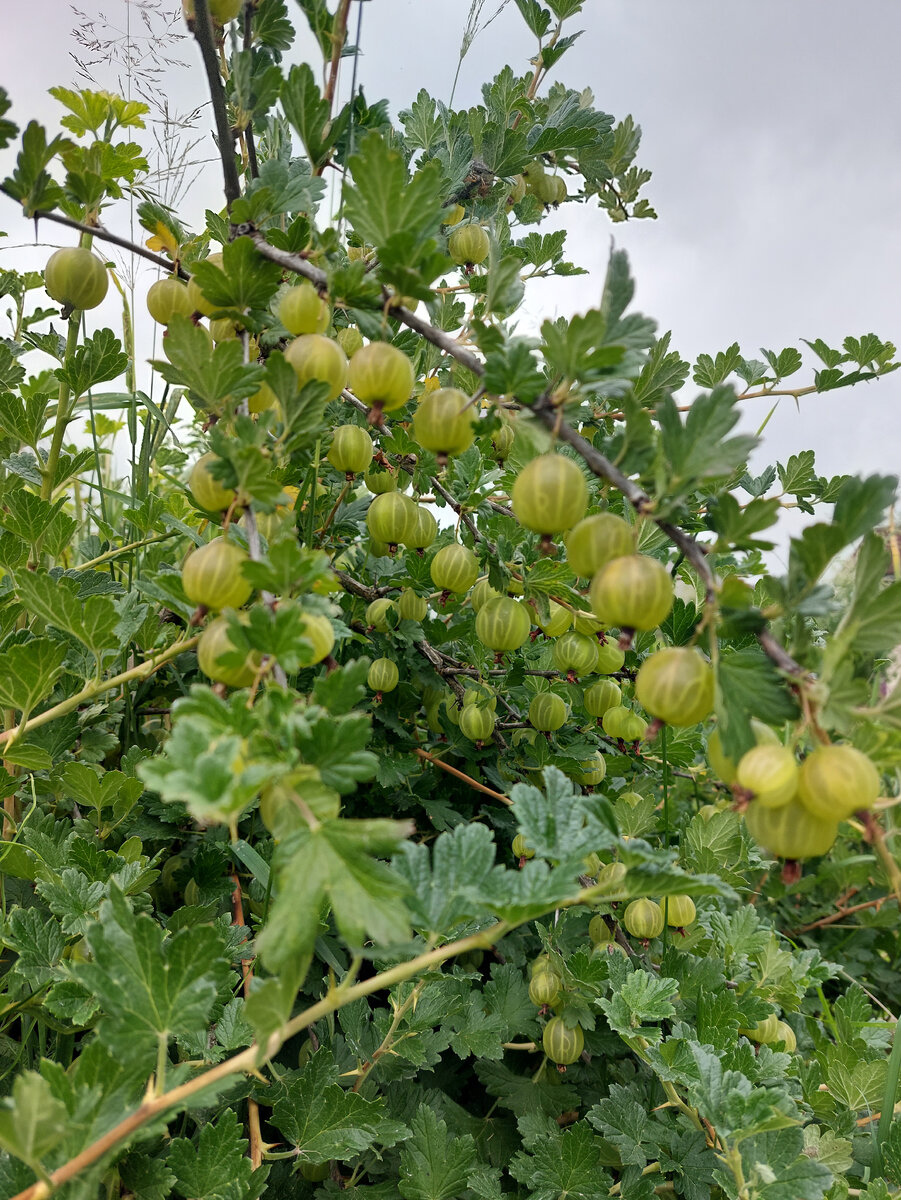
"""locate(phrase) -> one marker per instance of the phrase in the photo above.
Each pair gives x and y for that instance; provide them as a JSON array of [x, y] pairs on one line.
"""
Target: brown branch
[[845, 912], [339, 37], [361, 589], [473, 783], [249, 10], [253, 1108], [225, 135], [103, 235]]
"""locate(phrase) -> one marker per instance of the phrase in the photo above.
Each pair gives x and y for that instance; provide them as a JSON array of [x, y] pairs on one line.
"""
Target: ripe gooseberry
[[350, 340], [423, 529], [315, 357], [222, 11], [770, 774], [575, 654], [724, 767], [547, 712], [610, 658], [786, 1035], [318, 631], [558, 620], [381, 376], [676, 685], [550, 494], [383, 675], [302, 310], [476, 723], [680, 911], [601, 696], [75, 278], [167, 298], [215, 641], [454, 569], [790, 831], [468, 245], [482, 593], [212, 576], [209, 493], [443, 422], [199, 302], [389, 518], [503, 624], [561, 1044], [837, 781], [611, 876], [597, 540], [351, 450], [644, 919], [764, 1031], [377, 614], [632, 592], [412, 607]]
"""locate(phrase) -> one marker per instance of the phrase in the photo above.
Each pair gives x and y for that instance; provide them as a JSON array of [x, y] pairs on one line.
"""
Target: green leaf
[[28, 671], [245, 279], [98, 358], [434, 1163], [625, 1123], [215, 1165], [32, 1120], [384, 200], [151, 988], [30, 183], [560, 823], [748, 685], [709, 372], [568, 1163], [448, 890], [212, 373], [93, 619], [638, 998], [309, 113], [36, 521], [699, 448], [322, 1121]]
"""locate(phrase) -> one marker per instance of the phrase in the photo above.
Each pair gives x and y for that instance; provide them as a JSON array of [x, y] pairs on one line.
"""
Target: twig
[[253, 1108], [845, 912], [225, 135], [473, 783], [339, 36]]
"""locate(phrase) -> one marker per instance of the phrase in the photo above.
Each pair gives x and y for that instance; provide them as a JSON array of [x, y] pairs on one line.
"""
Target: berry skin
[[550, 494], [521, 849], [482, 593], [381, 376], [597, 540], [351, 450], [592, 771], [383, 675], [561, 1044], [575, 654], [390, 516], [75, 278], [837, 781], [786, 1035], [412, 607], [503, 624], [624, 724], [517, 189], [632, 592], [726, 768], [764, 1031], [302, 310], [377, 614], [477, 724], [212, 576], [468, 245], [167, 298], [379, 480], [350, 340], [454, 569], [453, 215], [423, 529], [199, 302], [611, 877], [547, 712], [610, 658], [316, 357], [680, 911], [770, 774], [676, 686], [602, 696], [206, 490], [443, 422], [544, 987], [790, 831], [221, 11], [644, 919], [215, 642]]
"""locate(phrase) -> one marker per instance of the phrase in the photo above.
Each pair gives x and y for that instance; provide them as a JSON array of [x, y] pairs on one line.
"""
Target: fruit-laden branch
[[103, 235], [248, 1061], [225, 135], [550, 416]]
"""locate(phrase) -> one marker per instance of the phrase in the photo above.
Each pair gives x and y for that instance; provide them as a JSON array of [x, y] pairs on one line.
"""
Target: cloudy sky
[[772, 130]]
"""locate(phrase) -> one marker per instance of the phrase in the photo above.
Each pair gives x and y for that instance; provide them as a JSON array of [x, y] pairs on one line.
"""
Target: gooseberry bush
[[416, 779]]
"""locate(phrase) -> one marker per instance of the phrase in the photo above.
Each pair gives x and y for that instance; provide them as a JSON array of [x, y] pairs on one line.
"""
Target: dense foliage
[[398, 759]]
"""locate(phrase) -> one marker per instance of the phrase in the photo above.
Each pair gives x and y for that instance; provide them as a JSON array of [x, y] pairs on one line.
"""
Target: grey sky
[[773, 133]]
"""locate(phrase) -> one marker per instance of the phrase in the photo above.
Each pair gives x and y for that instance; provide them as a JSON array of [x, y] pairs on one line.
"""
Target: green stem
[[120, 550], [889, 1096], [63, 412]]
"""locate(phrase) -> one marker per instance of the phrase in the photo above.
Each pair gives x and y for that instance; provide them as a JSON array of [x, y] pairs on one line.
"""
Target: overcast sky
[[772, 130]]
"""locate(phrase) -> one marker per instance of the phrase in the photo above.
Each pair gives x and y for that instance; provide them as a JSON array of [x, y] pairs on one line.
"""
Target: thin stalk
[[889, 1096], [63, 412]]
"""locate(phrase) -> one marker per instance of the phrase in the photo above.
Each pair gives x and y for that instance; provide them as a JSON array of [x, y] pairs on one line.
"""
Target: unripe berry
[[389, 517], [544, 987], [503, 624], [351, 449], [837, 781], [206, 489], [558, 620], [76, 278], [547, 712], [302, 310], [454, 569], [724, 767], [423, 529], [676, 685], [443, 422], [561, 1044], [212, 576], [602, 696], [644, 919], [383, 675], [599, 931], [350, 340], [575, 654], [770, 774], [412, 607], [477, 724], [550, 494], [468, 245], [680, 911], [632, 592], [315, 357], [592, 771], [167, 298], [377, 614], [381, 376], [199, 302], [790, 831], [215, 641], [521, 849], [597, 540]]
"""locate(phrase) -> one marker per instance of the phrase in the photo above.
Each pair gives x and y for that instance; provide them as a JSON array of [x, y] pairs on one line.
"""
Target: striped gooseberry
[[453, 214], [676, 685], [575, 654], [389, 517], [599, 931], [644, 919], [562, 1044], [726, 768], [383, 675], [350, 340], [837, 781], [468, 245], [381, 376], [591, 772], [503, 624], [680, 911], [221, 11], [378, 614], [764, 1031], [558, 620], [380, 479], [547, 712], [502, 442], [318, 631], [423, 529], [167, 298], [443, 422], [476, 723], [412, 607], [587, 622], [482, 593], [544, 987], [786, 1035], [316, 358], [75, 278], [454, 569], [790, 831], [521, 849], [632, 592], [302, 310], [769, 774], [597, 540], [601, 696], [351, 450], [212, 576], [215, 641], [209, 493], [611, 876], [550, 494]]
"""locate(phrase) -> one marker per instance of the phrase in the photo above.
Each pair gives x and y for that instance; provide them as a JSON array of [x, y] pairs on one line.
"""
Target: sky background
[[772, 130]]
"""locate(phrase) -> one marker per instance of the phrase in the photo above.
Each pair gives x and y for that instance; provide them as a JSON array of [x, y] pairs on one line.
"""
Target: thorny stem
[[473, 783], [225, 135]]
